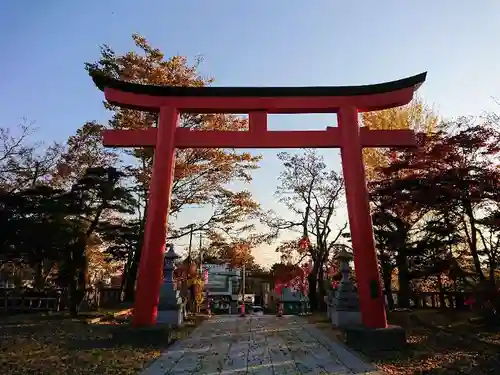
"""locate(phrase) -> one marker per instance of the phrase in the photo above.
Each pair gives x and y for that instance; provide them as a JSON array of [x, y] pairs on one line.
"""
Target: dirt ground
[[57, 345], [439, 342]]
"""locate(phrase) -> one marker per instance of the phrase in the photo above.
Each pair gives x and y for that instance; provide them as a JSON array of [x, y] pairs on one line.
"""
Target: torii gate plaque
[[346, 101]]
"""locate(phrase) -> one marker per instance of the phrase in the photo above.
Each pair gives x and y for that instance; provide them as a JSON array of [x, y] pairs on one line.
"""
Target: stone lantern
[[170, 303], [345, 310]]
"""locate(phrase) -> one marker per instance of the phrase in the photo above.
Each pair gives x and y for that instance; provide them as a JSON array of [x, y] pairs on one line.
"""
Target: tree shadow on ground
[[107, 337]]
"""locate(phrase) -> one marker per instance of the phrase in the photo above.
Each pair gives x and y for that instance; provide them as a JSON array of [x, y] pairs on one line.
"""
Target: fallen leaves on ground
[[60, 345], [439, 342]]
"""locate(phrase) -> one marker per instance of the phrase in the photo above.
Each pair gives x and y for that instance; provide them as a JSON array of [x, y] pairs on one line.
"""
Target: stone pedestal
[[345, 310], [345, 314], [170, 309], [170, 306]]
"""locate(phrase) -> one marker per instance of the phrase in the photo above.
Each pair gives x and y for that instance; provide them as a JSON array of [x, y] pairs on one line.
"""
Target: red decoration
[[278, 289], [205, 276], [394, 156], [347, 102], [332, 270], [309, 266], [470, 301], [304, 281], [304, 243]]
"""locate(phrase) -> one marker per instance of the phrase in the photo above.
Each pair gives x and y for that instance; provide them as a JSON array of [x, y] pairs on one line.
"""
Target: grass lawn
[[41, 344], [438, 343]]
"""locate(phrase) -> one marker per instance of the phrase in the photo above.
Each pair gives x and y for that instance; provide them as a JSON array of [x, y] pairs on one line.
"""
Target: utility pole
[[201, 253], [190, 243], [202, 274], [243, 270]]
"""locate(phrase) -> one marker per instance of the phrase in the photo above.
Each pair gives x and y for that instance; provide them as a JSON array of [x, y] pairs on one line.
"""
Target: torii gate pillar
[[346, 101], [360, 221]]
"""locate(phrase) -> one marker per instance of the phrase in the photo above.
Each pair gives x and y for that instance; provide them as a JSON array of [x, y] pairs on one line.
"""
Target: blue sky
[[257, 42]]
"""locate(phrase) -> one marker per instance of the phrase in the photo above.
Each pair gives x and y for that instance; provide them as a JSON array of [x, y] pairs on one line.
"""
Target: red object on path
[[242, 310], [346, 101], [280, 310]]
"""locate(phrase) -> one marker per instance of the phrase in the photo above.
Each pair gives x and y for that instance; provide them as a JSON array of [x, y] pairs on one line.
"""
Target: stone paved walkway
[[258, 345]]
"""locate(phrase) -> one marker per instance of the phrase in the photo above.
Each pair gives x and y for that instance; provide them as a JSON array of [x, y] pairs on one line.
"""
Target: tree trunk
[[38, 277], [313, 290], [72, 284], [442, 300], [473, 240], [77, 267], [404, 280], [131, 277], [493, 268], [73, 300], [387, 270], [387, 280], [321, 289]]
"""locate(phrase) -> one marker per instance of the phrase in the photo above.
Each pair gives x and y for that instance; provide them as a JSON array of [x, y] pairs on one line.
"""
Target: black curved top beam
[[103, 82]]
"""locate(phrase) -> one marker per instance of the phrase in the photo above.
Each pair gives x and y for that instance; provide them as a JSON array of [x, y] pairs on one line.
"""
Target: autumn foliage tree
[[436, 204], [82, 151], [201, 175], [417, 115]]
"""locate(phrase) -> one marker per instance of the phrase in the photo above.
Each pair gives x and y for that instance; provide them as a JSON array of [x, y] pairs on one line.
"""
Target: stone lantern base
[[344, 308], [345, 318], [344, 311], [170, 308]]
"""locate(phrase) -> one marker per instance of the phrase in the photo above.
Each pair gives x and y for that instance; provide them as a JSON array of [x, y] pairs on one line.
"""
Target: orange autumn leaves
[[416, 116], [238, 254], [201, 175]]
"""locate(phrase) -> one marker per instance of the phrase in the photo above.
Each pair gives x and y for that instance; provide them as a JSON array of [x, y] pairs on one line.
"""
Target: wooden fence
[[14, 301], [438, 300]]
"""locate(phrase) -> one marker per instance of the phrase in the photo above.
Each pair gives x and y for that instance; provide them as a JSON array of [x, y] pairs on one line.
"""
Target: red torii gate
[[346, 101]]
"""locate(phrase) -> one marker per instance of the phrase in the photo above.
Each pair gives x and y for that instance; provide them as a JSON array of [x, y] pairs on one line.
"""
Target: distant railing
[[13, 301], [440, 300], [436, 300], [109, 296], [428, 300]]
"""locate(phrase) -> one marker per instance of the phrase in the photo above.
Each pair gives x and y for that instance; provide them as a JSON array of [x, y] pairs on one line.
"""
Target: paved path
[[264, 345]]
